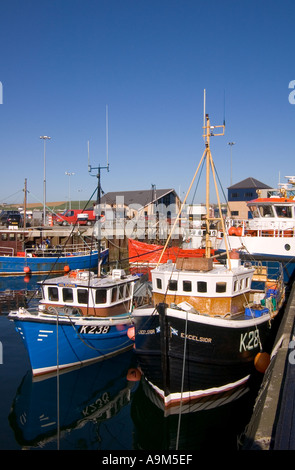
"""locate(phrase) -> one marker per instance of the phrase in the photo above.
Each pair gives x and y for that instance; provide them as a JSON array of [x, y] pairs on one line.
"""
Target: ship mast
[[207, 134], [98, 198]]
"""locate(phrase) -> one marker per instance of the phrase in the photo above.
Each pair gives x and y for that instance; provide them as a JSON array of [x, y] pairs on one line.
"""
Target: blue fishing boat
[[50, 262], [81, 318], [36, 251]]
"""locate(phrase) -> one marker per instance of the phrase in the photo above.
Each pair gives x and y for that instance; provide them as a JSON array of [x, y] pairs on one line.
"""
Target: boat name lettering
[[249, 340], [146, 332], [199, 339], [94, 407], [65, 284], [94, 329]]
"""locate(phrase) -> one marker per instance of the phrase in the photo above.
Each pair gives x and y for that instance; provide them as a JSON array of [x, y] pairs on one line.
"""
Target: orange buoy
[[131, 333], [133, 375], [67, 269], [27, 269], [262, 361]]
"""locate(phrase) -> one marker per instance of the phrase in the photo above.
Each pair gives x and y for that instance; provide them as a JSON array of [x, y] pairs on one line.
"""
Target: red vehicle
[[73, 216]]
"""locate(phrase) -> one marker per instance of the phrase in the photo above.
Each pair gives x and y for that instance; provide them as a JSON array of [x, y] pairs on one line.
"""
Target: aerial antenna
[[89, 167], [107, 136], [99, 190], [224, 108], [204, 118]]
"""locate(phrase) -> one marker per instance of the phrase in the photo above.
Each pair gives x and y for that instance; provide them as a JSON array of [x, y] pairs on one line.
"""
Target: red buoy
[[66, 269], [27, 269], [133, 375], [131, 333]]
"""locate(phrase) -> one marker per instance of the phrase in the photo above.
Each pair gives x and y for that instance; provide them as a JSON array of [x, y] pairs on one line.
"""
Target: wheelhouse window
[[172, 285], [53, 293], [122, 291], [220, 287], [82, 296], [284, 211], [114, 294], [67, 294], [254, 211], [159, 283], [202, 286], [266, 211], [100, 296], [187, 286]]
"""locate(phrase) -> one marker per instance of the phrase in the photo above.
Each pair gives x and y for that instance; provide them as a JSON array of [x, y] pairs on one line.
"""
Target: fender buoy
[[27, 269], [131, 333], [67, 269], [133, 375], [261, 361]]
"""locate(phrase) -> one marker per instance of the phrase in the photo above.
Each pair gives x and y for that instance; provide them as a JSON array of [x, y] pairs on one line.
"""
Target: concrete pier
[[272, 425]]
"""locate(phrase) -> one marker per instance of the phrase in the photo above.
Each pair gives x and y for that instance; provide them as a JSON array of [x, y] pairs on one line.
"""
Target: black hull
[[186, 360]]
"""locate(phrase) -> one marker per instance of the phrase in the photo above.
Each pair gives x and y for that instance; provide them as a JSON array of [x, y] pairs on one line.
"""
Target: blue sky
[[63, 61]]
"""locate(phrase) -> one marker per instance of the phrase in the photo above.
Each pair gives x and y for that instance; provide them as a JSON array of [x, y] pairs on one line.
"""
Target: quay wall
[[271, 424]]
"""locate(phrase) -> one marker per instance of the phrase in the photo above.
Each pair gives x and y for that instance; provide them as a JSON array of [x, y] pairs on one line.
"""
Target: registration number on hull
[[94, 330]]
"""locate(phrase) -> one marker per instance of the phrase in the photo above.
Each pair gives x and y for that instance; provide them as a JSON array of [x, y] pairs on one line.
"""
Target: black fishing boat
[[209, 321]]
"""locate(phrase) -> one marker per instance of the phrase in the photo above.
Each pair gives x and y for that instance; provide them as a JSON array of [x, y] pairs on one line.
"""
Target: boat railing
[[242, 228], [45, 251], [6, 251]]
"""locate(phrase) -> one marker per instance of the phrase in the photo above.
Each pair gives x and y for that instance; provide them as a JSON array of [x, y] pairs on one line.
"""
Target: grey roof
[[249, 183], [142, 198]]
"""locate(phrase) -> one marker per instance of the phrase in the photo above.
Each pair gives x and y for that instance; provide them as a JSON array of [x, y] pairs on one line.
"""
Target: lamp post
[[69, 174], [44, 137], [231, 146]]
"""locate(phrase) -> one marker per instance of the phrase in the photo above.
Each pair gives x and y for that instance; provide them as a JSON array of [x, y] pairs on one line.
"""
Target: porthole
[[287, 247]]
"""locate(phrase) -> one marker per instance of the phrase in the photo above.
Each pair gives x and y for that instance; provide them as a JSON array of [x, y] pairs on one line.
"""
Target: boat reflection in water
[[211, 422], [81, 409]]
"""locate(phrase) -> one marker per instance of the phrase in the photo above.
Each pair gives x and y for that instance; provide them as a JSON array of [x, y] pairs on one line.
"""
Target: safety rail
[[45, 251], [6, 251]]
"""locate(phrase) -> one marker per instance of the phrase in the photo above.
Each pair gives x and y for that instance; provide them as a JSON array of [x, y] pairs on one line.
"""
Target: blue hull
[[15, 265], [53, 345], [88, 396]]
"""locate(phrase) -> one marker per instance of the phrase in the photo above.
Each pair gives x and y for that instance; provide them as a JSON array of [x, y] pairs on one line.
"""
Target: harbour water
[[97, 407]]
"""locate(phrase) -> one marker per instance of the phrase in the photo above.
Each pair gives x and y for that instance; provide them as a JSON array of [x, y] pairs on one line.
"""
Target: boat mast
[[25, 204], [98, 197], [208, 133]]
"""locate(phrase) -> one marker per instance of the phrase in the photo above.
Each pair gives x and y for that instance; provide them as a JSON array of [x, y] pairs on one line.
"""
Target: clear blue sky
[[63, 61]]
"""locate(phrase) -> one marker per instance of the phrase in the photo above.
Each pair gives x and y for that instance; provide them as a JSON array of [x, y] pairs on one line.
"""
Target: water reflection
[[86, 408], [209, 423]]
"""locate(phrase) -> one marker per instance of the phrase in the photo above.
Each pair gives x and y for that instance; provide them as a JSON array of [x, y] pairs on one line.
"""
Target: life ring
[[236, 231]]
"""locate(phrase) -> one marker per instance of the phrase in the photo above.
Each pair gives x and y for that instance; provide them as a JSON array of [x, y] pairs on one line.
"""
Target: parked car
[[10, 218]]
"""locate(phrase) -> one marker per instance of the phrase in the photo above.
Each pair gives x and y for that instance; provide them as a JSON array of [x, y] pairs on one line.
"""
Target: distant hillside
[[55, 206]]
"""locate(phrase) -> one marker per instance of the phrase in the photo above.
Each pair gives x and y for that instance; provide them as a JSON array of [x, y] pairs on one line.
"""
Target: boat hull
[[185, 356], [280, 249], [62, 343], [17, 265]]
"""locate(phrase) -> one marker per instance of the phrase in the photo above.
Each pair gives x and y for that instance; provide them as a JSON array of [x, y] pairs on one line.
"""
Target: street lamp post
[[69, 174], [231, 146], [44, 137]]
